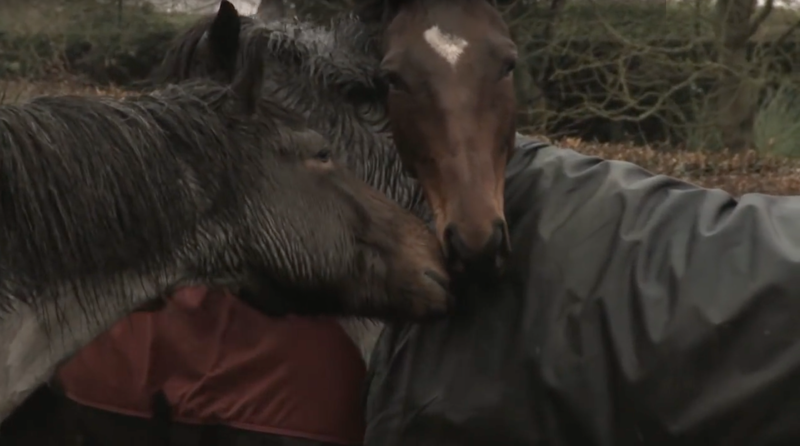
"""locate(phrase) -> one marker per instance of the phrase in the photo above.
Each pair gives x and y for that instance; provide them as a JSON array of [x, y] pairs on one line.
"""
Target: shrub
[[777, 125], [100, 40]]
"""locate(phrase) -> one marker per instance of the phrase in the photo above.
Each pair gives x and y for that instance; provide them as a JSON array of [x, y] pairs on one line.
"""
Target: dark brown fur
[[454, 125]]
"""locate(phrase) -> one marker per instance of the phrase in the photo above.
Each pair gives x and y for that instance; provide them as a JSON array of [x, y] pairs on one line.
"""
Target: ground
[[20, 90]]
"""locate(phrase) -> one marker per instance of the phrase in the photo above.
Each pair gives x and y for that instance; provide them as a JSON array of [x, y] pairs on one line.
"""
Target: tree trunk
[[736, 97]]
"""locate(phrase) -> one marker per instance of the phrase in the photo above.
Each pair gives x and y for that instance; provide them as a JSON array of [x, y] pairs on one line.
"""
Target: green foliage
[[609, 70], [777, 125], [101, 40]]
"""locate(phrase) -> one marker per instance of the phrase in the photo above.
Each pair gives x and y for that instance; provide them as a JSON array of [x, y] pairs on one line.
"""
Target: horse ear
[[247, 86], [271, 10], [390, 8], [223, 37]]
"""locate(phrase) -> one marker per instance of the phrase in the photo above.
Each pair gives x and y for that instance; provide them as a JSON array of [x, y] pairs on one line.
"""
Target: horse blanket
[[636, 310]]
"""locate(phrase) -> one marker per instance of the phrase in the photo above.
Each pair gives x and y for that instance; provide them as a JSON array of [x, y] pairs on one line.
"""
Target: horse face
[[451, 104], [398, 272]]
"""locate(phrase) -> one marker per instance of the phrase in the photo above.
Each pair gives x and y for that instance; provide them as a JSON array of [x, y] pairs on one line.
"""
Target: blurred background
[[696, 88]]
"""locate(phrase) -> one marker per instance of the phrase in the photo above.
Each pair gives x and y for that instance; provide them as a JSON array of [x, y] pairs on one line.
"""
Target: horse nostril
[[499, 261], [498, 247], [449, 241], [496, 241], [454, 249], [499, 243], [492, 253]]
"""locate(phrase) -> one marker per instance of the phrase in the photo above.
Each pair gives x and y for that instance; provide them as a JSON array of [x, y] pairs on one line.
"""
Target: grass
[[55, 18]]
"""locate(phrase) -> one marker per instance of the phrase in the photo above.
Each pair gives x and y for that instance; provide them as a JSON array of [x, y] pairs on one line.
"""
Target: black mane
[[342, 54], [64, 158], [329, 74]]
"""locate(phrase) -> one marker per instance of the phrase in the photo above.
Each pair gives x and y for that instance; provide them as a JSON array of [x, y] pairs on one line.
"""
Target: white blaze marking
[[448, 46]]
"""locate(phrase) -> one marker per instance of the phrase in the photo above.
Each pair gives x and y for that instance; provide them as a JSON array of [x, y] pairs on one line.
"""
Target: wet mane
[[177, 61], [341, 55], [65, 157], [330, 75]]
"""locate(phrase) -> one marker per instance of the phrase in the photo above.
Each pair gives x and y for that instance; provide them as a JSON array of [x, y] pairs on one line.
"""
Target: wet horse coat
[[334, 77], [184, 167], [331, 76], [437, 74]]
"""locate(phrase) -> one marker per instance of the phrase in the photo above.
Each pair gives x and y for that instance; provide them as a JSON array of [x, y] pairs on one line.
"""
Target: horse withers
[[108, 204]]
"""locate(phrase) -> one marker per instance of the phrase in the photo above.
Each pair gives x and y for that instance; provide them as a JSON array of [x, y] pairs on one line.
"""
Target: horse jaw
[[35, 340]]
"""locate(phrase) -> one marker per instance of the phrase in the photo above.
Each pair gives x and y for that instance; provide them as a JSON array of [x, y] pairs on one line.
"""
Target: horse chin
[[486, 272]]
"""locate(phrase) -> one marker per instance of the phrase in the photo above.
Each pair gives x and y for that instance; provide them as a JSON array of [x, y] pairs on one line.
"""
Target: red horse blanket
[[219, 361]]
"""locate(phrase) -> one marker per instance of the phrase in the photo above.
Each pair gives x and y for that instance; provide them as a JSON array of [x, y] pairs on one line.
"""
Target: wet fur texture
[[109, 204], [327, 74], [95, 187]]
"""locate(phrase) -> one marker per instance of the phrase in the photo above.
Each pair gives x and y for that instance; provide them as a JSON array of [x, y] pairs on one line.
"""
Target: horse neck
[[37, 335]]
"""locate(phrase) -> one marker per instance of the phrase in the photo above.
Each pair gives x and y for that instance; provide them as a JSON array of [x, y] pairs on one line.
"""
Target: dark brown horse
[[440, 70], [109, 204]]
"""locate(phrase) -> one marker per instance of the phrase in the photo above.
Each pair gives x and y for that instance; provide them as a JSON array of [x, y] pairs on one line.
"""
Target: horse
[[331, 75], [108, 205], [437, 74]]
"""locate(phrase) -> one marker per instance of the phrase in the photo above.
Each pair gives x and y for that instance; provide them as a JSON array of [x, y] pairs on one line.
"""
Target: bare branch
[[756, 22]]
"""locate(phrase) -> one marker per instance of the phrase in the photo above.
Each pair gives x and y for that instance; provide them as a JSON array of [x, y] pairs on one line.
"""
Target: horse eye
[[323, 155], [395, 82]]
